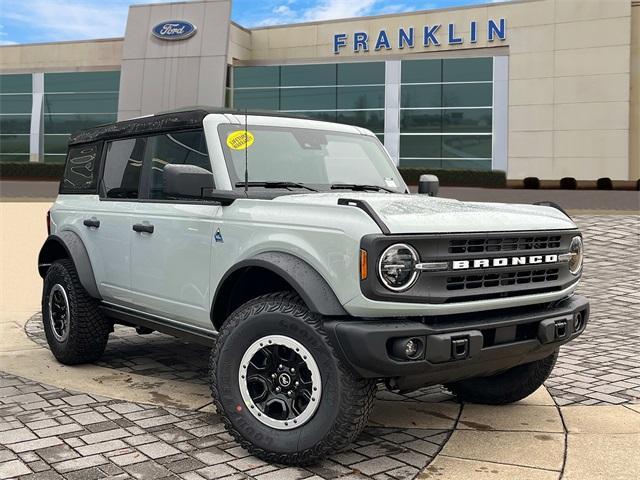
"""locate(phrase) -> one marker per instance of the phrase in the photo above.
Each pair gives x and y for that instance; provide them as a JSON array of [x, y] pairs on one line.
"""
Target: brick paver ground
[[49, 433]]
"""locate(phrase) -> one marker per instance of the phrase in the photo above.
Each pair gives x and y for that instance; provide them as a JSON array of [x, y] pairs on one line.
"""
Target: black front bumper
[[458, 346]]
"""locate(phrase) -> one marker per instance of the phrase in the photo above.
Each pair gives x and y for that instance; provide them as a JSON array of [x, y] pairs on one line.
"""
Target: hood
[[424, 214]]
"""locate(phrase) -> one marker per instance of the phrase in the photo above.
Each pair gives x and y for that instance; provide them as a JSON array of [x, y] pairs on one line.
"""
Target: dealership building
[[545, 88]]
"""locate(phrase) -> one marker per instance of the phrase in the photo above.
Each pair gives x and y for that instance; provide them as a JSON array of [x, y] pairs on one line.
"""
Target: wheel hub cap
[[280, 382], [59, 312]]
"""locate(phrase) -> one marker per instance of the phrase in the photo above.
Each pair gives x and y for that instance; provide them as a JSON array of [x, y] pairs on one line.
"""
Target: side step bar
[[139, 319]]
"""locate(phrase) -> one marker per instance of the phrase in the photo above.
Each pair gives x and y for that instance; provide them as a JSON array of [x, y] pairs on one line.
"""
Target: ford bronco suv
[[294, 248]]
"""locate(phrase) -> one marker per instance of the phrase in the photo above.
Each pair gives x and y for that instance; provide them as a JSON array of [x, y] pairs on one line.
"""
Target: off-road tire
[[346, 400], [507, 387], [88, 328]]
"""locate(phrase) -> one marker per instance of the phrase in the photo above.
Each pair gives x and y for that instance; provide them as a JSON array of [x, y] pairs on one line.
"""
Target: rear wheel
[[76, 331], [279, 386], [507, 387]]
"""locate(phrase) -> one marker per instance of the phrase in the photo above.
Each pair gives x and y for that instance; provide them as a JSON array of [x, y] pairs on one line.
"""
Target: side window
[[123, 164], [182, 148], [81, 169]]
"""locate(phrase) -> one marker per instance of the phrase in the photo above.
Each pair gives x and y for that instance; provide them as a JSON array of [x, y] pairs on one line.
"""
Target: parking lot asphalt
[[144, 412]]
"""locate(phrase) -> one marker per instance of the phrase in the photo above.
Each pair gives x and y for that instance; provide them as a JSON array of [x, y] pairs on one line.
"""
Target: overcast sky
[[29, 21]]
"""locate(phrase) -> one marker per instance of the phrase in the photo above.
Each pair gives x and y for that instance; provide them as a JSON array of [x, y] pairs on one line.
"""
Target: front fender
[[68, 244], [305, 280]]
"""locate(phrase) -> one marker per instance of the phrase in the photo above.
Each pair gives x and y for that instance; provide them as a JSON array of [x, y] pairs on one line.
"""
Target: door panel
[[170, 268]]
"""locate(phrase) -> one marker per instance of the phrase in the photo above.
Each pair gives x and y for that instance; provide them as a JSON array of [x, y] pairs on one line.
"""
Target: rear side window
[[181, 148], [81, 169], [122, 167]]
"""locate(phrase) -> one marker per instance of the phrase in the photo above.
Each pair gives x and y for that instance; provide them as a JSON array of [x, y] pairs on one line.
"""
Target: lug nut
[[273, 375], [296, 383], [293, 370], [277, 389], [280, 367], [289, 393]]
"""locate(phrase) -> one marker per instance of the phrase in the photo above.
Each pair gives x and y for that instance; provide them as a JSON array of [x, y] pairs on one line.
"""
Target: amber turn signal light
[[363, 265]]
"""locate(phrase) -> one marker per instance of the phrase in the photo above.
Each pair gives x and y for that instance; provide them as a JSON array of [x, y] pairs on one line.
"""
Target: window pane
[[16, 83], [82, 82], [303, 75], [14, 144], [56, 143], [256, 77], [81, 103], [15, 123], [373, 121], [15, 103], [13, 157], [421, 71], [122, 168], [420, 163], [81, 170], [467, 69], [262, 99], [421, 121], [323, 116], [467, 121], [467, 164], [181, 148], [72, 123], [308, 99], [467, 95], [421, 96], [366, 73], [360, 97], [466, 146], [420, 146]]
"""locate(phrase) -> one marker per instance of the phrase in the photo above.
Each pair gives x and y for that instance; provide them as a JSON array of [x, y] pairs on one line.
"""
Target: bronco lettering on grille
[[503, 262]]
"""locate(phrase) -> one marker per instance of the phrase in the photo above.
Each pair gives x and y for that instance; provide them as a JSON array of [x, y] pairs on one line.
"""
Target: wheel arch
[[270, 272], [68, 244]]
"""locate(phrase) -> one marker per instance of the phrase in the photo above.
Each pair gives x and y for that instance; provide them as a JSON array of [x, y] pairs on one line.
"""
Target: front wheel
[[281, 390], [506, 387]]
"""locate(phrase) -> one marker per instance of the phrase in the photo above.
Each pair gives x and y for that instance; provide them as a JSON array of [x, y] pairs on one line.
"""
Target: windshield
[[320, 159]]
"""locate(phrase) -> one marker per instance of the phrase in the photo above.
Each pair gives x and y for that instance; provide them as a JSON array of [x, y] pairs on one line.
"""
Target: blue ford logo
[[174, 30]]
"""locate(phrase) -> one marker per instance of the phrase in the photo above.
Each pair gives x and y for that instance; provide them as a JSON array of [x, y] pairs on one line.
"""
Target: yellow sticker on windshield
[[240, 140]]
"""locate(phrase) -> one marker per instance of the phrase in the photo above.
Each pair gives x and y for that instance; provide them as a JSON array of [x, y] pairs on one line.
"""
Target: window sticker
[[391, 183], [240, 140]]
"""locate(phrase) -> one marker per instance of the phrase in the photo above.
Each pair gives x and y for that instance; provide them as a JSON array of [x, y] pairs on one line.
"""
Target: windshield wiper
[[276, 185], [362, 188]]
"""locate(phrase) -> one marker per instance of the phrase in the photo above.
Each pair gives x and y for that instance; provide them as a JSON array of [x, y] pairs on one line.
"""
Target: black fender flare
[[303, 278], [70, 243]]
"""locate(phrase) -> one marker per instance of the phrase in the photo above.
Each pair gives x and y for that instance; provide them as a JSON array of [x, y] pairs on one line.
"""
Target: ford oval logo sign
[[174, 30]]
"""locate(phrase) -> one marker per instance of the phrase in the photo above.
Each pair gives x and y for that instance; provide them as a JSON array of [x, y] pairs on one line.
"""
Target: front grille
[[504, 244], [488, 280]]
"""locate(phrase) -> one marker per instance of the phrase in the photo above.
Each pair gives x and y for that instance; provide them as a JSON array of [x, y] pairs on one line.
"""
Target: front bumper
[[458, 346]]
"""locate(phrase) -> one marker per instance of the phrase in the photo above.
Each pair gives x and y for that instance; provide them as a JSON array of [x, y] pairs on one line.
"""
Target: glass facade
[[73, 101], [350, 93], [15, 117], [446, 105], [446, 113]]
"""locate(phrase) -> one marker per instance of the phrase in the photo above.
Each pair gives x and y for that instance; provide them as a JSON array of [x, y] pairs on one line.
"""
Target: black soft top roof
[[161, 122]]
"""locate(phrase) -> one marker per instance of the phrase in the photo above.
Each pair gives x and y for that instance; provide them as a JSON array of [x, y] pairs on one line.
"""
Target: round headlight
[[397, 267], [576, 251]]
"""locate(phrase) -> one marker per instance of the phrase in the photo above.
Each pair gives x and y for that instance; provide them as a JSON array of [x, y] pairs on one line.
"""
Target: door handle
[[142, 227], [92, 222]]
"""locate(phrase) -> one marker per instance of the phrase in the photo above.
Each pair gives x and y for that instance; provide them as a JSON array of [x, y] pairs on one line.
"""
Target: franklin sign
[[426, 37], [174, 30]]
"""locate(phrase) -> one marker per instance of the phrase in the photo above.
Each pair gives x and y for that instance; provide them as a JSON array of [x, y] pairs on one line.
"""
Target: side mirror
[[429, 184], [186, 181]]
